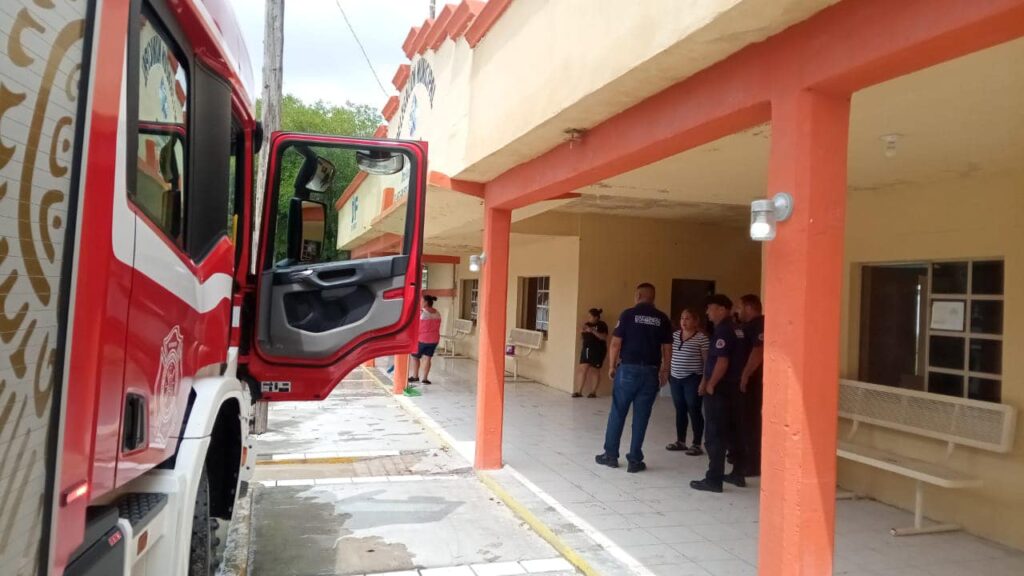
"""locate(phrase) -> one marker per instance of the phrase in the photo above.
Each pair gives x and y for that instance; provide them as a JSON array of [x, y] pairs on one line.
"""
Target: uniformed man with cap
[[721, 391], [640, 356]]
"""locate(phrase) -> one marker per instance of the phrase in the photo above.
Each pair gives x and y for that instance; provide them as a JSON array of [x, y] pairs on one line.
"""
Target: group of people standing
[[716, 382]]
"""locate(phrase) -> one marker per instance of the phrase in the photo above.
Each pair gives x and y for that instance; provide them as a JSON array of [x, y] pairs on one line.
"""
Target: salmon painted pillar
[[490, 372], [803, 269], [401, 374]]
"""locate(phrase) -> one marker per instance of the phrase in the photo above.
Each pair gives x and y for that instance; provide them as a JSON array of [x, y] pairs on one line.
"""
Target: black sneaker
[[735, 479], [577, 395], [705, 486], [606, 460], [427, 382], [592, 396], [413, 379], [635, 467]]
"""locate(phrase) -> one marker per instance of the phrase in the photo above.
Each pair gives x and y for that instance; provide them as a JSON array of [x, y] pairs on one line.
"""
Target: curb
[[538, 526], [518, 508], [237, 547]]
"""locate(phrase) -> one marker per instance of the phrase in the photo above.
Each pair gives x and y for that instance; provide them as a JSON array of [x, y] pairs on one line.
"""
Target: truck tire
[[200, 558]]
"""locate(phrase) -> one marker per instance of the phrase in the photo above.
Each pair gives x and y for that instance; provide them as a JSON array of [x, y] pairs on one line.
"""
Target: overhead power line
[[361, 49]]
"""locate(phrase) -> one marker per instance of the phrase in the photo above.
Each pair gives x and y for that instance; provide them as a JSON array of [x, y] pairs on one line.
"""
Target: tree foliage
[[358, 120]]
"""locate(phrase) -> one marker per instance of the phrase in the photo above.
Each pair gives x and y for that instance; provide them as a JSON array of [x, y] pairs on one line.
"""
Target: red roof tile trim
[[485, 21], [381, 131], [390, 108], [401, 76], [463, 17], [409, 39], [438, 32], [419, 45]]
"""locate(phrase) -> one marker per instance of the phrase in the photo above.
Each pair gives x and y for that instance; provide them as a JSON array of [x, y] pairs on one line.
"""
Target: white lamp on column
[[765, 214], [476, 261]]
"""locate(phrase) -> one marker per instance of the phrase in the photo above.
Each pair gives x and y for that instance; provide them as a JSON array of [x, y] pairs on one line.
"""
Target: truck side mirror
[[380, 162], [307, 226]]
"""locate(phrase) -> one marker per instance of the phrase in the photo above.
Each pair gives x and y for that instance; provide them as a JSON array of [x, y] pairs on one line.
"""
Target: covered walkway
[[551, 439]]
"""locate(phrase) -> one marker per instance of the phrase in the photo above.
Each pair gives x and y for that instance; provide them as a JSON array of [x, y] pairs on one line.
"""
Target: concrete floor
[[653, 521], [354, 485]]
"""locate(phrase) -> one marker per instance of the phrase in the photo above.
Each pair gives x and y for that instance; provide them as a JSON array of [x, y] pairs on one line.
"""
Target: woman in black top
[[595, 349]]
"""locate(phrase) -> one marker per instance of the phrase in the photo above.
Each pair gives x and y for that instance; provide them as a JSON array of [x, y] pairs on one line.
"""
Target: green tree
[[358, 120]]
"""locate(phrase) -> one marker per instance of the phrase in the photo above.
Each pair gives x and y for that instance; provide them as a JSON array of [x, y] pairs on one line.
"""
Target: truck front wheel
[[200, 561]]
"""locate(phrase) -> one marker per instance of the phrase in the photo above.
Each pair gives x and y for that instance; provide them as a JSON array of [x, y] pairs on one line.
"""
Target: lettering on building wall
[[422, 74]]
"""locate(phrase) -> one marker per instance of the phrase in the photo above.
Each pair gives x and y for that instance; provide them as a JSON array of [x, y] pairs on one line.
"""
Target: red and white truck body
[[144, 303]]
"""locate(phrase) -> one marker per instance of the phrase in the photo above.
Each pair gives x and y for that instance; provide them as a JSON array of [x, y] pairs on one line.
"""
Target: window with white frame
[[934, 326], [354, 215], [470, 299], [534, 303]]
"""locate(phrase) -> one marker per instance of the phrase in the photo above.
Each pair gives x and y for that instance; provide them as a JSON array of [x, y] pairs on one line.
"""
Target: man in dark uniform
[[721, 389], [752, 382], [640, 356]]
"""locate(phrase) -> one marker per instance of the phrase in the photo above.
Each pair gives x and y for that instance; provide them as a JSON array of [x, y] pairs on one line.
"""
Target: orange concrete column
[[490, 373], [400, 377], [370, 363], [803, 281]]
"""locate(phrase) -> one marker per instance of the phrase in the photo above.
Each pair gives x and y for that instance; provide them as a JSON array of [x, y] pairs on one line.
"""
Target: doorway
[[891, 321], [688, 293]]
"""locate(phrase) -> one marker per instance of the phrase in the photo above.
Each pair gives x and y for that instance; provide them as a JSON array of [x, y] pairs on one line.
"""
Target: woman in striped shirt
[[689, 352]]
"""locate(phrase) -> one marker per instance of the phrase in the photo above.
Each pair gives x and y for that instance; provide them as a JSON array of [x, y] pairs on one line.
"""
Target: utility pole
[[273, 55]]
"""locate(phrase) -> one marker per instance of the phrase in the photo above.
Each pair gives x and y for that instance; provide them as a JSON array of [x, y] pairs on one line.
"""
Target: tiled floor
[[551, 439], [355, 485]]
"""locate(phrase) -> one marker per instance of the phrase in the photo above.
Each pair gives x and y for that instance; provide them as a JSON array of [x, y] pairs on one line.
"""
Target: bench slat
[[983, 425], [917, 469]]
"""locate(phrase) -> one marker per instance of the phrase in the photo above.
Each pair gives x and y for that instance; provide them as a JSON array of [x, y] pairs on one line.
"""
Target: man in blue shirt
[[640, 356], [751, 381], [721, 390]]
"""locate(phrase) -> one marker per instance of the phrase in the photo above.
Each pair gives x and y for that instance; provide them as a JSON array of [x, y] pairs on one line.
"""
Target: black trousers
[[751, 427], [723, 411]]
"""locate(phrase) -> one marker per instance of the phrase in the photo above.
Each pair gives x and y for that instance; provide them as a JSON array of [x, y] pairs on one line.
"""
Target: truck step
[[140, 508]]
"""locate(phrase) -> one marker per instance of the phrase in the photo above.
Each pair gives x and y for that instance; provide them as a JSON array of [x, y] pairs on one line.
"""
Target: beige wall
[[618, 253], [957, 219], [597, 261], [558, 258]]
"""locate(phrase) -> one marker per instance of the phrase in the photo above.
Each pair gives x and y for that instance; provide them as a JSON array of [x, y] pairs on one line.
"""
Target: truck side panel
[[41, 67]]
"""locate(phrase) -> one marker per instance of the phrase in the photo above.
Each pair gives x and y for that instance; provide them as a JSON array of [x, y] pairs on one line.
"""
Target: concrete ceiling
[[957, 119]]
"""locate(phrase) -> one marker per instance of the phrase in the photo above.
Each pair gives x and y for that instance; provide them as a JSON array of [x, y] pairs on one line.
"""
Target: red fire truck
[[149, 300]]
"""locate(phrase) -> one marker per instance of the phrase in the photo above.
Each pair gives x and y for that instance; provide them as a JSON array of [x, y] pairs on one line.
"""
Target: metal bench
[[956, 421], [458, 331], [523, 343]]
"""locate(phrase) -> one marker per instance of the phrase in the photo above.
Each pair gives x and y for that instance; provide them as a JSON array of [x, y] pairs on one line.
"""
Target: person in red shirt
[[430, 335]]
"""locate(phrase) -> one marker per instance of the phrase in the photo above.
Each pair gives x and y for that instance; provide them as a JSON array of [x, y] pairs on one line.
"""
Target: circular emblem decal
[[720, 343], [168, 380]]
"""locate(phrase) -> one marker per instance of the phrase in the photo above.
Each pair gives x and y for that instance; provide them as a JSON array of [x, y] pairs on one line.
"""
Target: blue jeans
[[688, 407], [636, 385]]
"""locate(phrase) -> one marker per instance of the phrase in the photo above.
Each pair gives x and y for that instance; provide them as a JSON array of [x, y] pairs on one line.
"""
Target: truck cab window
[[162, 131], [337, 194]]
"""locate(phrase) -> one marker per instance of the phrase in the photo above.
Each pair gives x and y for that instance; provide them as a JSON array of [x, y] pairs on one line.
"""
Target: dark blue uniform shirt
[[643, 329], [726, 343]]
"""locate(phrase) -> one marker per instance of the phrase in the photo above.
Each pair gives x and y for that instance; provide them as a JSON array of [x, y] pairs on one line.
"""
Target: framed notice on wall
[[948, 315]]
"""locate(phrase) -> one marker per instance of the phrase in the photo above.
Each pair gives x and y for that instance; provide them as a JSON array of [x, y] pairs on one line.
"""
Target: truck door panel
[[340, 260]]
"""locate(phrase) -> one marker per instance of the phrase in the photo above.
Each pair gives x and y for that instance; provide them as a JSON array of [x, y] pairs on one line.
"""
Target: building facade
[[585, 146]]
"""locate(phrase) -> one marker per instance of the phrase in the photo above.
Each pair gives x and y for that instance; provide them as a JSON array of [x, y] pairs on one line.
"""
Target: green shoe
[[412, 392]]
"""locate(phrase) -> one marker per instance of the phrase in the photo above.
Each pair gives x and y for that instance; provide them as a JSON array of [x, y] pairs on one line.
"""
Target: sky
[[321, 59]]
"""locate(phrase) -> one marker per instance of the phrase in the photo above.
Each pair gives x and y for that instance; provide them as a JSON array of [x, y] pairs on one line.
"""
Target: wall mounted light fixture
[[476, 262], [765, 214]]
